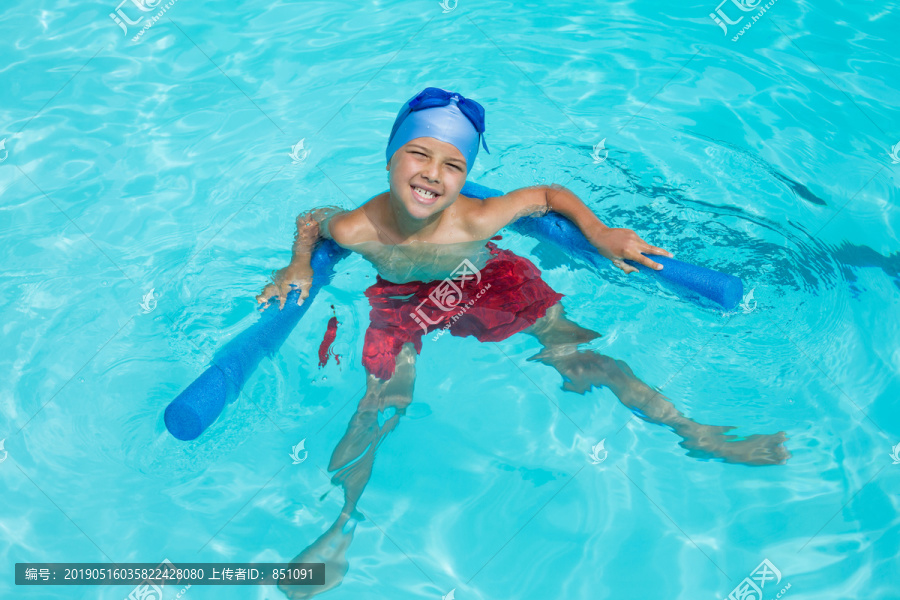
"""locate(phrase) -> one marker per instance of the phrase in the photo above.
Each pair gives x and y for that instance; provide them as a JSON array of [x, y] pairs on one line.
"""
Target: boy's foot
[[756, 450], [330, 549]]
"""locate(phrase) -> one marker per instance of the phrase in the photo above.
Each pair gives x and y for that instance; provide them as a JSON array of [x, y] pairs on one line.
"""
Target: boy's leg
[[583, 369], [364, 434], [353, 457]]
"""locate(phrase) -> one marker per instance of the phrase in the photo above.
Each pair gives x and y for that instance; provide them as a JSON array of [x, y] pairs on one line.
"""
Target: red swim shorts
[[506, 296]]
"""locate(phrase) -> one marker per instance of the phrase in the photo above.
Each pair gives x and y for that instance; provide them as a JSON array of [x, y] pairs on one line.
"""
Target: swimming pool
[[171, 164]]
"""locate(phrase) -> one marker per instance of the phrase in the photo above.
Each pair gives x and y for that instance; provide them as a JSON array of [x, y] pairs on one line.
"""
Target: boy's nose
[[430, 173]]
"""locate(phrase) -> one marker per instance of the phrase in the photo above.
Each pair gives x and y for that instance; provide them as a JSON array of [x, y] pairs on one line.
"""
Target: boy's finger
[[649, 263], [269, 291], [625, 267], [656, 250]]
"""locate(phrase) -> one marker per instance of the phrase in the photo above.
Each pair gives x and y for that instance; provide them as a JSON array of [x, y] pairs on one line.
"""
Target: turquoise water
[[163, 164]]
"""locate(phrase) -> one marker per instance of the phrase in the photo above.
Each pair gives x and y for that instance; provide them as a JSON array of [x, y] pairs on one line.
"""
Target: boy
[[423, 231]]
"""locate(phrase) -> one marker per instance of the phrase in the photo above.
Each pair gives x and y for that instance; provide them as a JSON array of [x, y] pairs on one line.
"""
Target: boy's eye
[[422, 154]]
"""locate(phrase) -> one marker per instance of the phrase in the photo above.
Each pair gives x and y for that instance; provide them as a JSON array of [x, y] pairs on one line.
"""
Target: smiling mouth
[[423, 199]]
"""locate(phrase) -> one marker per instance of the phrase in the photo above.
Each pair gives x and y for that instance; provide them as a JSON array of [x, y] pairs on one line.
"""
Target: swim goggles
[[433, 97]]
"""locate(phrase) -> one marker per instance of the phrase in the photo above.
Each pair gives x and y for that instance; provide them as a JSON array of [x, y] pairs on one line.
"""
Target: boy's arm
[[310, 226], [616, 244]]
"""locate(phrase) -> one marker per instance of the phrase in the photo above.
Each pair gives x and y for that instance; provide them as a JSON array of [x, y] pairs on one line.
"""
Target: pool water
[[150, 187]]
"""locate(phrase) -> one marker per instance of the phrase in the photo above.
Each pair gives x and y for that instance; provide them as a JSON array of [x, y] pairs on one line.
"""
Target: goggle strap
[[432, 101]]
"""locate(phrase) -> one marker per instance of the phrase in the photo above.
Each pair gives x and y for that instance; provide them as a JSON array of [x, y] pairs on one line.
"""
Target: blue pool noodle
[[195, 409], [200, 404], [686, 279]]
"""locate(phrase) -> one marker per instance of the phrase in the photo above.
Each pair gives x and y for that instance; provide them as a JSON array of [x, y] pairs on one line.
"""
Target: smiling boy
[[423, 228], [421, 233]]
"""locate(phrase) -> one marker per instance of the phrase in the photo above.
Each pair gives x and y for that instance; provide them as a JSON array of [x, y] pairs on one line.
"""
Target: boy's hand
[[308, 228], [294, 275], [617, 244], [299, 273]]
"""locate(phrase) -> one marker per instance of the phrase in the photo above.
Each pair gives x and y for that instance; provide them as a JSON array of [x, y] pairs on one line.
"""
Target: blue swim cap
[[442, 115]]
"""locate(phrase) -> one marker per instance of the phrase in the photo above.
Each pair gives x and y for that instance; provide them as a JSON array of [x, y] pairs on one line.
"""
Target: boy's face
[[429, 164]]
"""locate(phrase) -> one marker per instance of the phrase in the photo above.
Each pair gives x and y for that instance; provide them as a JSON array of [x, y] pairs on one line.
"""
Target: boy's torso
[[434, 257]]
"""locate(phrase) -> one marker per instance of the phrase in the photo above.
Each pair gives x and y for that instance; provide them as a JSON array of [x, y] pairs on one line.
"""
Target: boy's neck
[[407, 226]]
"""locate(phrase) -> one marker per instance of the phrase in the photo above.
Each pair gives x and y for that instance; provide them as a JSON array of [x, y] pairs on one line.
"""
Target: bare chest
[[423, 261]]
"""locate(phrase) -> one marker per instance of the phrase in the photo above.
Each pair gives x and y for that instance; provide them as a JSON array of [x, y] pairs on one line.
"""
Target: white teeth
[[424, 193]]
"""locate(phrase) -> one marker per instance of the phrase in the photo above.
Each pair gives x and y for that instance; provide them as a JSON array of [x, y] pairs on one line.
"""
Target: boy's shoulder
[[351, 227], [479, 219], [487, 217], [356, 226]]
